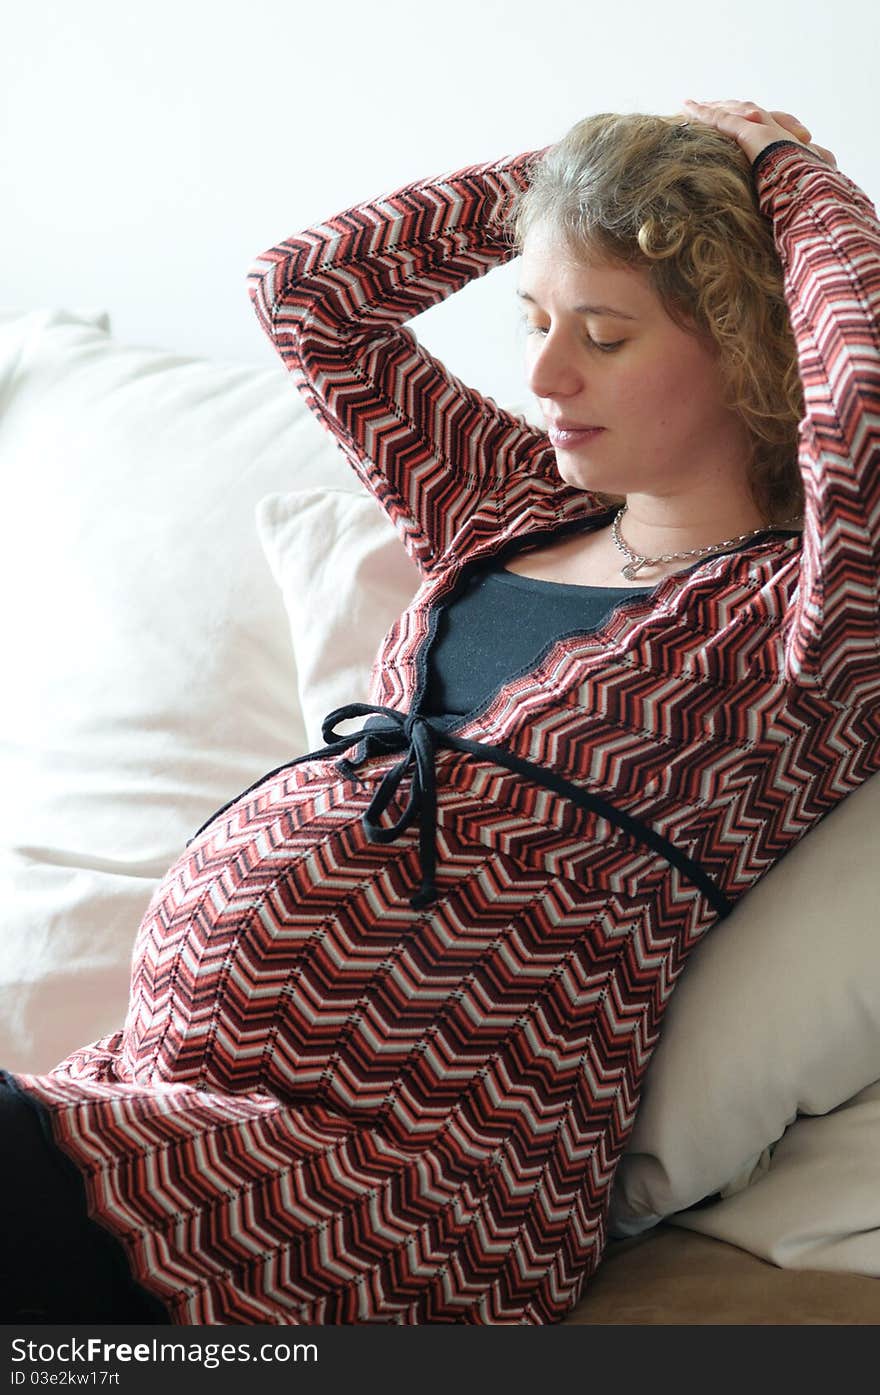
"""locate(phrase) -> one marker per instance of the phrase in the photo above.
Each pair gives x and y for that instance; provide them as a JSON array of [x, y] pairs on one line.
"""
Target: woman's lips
[[565, 440]]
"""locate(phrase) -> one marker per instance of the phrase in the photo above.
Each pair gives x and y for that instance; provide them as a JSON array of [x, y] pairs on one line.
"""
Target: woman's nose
[[551, 370]]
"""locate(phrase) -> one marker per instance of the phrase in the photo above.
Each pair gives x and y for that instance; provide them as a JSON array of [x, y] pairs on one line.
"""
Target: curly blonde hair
[[678, 198]]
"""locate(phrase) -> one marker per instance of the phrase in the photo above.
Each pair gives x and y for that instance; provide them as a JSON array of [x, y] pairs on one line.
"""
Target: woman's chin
[[579, 476]]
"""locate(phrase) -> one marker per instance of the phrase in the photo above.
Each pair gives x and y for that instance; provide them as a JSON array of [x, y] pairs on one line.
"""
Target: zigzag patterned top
[[328, 1106]]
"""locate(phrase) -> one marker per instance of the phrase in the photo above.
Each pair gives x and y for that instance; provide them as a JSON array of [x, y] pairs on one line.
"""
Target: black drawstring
[[412, 734], [417, 736]]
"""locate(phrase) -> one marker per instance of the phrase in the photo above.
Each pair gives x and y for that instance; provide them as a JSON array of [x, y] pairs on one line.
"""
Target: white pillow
[[778, 1010], [345, 577], [149, 676]]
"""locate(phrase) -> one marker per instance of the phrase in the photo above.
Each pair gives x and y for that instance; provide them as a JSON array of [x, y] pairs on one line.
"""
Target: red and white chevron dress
[[383, 1071]]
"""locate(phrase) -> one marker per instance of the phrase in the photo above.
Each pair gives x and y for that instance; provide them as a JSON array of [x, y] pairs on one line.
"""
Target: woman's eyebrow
[[585, 309]]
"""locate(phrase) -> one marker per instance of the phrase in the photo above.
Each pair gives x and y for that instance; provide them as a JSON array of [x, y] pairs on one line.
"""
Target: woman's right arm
[[334, 301]]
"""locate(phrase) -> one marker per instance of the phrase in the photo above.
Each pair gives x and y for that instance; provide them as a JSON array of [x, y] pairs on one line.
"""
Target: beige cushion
[[776, 1015], [817, 1204]]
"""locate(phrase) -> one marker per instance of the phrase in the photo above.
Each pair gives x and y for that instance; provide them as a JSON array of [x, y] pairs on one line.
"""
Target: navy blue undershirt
[[498, 623]]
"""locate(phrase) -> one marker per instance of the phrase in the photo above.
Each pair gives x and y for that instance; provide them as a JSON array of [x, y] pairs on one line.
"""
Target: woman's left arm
[[828, 239], [827, 236]]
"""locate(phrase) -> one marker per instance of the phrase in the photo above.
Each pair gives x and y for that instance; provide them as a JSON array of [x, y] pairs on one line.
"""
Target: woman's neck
[[652, 531]]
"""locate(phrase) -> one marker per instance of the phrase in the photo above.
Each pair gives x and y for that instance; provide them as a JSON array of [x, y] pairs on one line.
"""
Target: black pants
[[56, 1265]]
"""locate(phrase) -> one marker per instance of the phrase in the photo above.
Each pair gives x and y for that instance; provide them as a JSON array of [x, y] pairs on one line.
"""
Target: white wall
[[150, 150]]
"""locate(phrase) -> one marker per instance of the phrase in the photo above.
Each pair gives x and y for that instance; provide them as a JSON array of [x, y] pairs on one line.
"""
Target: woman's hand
[[752, 127]]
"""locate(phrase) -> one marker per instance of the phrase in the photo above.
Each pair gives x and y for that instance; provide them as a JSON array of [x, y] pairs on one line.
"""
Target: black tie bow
[[416, 736]]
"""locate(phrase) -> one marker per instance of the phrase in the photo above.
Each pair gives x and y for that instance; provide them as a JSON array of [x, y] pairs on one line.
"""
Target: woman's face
[[626, 366]]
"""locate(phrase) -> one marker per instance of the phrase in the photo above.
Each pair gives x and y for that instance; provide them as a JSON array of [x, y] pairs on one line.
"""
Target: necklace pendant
[[629, 571]]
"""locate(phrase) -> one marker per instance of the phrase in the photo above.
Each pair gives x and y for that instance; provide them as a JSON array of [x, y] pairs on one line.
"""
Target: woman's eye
[[593, 343]]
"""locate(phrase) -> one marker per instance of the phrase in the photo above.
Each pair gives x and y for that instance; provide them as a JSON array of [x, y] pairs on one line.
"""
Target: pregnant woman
[[392, 1008]]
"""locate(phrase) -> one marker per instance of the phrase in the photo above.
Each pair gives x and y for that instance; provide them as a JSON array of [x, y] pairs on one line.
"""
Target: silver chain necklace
[[636, 562]]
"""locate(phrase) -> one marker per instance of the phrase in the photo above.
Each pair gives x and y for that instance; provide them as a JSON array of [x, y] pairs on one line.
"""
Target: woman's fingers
[[753, 127], [825, 154], [792, 123], [750, 110], [803, 133], [716, 114]]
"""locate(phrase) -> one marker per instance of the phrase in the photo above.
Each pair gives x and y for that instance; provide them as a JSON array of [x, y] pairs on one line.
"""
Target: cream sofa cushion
[[150, 676]]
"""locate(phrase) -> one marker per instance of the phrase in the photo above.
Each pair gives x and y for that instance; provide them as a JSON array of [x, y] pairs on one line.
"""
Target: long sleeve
[[334, 299], [828, 239]]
